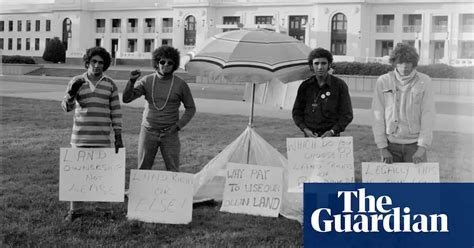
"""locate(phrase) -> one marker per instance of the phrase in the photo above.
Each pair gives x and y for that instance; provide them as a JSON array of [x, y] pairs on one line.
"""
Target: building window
[[149, 45], [338, 34], [46, 41], [467, 50], [167, 25], [132, 25], [116, 25], [297, 27], [98, 42], [440, 24], [467, 23], [10, 26], [19, 26], [1, 43], [2, 26], [167, 42], [190, 31], [385, 23], [383, 47], [230, 20], [132, 45], [100, 25], [18, 44], [263, 19], [37, 44], [27, 45], [10, 43], [67, 31], [412, 23], [48, 25], [28, 25], [37, 25], [149, 25]]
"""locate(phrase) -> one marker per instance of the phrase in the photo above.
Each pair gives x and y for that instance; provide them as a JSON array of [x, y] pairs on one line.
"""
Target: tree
[[55, 51]]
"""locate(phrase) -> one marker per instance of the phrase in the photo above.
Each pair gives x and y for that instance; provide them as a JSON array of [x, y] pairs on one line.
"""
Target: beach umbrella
[[250, 56]]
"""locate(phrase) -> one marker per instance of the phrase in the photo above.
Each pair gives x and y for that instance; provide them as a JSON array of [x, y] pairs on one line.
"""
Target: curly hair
[[319, 53], [167, 52], [404, 53], [100, 51]]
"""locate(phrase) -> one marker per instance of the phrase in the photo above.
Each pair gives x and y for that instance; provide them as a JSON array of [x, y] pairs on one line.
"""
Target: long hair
[[167, 52], [404, 53], [100, 51]]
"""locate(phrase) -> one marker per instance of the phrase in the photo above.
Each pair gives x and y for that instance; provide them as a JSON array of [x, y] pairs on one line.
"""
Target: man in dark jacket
[[323, 106]]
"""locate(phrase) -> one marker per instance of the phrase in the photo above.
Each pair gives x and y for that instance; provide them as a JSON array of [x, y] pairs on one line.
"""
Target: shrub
[[377, 69], [55, 51], [17, 59]]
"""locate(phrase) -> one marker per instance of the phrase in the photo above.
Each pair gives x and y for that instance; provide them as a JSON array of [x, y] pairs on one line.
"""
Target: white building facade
[[353, 30]]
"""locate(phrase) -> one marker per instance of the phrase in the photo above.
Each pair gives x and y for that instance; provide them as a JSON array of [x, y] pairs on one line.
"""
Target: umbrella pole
[[252, 103]]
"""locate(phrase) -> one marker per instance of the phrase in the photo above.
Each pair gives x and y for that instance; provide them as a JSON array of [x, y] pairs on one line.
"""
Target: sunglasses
[[169, 62]]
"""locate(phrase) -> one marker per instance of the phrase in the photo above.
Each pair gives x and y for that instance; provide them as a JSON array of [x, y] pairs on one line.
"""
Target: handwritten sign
[[160, 197], [400, 173], [253, 189], [91, 174], [319, 160]]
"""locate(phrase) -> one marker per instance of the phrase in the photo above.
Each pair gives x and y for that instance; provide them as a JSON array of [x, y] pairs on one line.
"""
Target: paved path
[[46, 88]]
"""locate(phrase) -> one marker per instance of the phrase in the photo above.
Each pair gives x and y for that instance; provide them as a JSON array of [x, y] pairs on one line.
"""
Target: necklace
[[153, 94]]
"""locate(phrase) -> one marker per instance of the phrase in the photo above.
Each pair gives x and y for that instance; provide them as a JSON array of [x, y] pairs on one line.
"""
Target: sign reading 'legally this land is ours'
[[91, 174], [253, 189], [400, 172], [328, 159], [160, 196]]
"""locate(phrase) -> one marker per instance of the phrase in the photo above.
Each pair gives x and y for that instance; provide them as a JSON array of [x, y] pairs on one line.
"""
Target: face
[[320, 67], [405, 68], [96, 66], [165, 66]]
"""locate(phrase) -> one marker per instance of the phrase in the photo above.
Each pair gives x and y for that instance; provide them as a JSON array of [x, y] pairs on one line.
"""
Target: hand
[[419, 155], [309, 133], [329, 133], [118, 142], [386, 156], [171, 130], [134, 75], [76, 85]]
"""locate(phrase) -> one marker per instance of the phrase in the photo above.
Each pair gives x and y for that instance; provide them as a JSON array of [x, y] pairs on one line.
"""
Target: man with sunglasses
[[322, 106], [161, 122]]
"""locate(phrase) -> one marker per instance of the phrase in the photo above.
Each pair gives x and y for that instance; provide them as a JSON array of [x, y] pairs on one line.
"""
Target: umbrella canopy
[[250, 56]]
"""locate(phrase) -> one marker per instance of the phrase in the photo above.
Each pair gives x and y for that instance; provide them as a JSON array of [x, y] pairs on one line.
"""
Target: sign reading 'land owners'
[[319, 160], [400, 172], [160, 197], [91, 174], [253, 189]]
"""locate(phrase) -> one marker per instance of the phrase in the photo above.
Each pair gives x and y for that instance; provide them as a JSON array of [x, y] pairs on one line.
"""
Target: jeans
[[150, 140], [403, 152]]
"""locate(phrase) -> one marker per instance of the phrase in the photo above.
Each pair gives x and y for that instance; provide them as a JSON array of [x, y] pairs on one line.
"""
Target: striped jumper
[[97, 110]]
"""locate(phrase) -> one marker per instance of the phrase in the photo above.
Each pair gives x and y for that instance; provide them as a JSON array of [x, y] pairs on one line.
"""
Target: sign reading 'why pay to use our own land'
[[253, 189], [91, 174], [160, 197], [328, 159], [377, 172]]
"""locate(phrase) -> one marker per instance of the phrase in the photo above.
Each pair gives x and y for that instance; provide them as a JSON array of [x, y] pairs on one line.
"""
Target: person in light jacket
[[403, 109]]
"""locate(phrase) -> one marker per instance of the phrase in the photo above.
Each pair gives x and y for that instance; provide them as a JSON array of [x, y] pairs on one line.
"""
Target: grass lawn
[[32, 131]]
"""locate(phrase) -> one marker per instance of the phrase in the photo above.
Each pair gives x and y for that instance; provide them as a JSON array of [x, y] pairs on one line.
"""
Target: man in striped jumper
[[94, 97]]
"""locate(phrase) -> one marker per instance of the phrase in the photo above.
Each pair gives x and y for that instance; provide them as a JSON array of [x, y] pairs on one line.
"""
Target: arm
[[132, 92], [298, 108], [344, 109], [378, 111], [189, 107], [116, 117], [428, 112], [68, 103]]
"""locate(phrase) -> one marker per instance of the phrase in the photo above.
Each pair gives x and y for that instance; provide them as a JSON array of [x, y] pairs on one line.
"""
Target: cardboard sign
[[253, 189], [91, 174], [319, 160], [400, 172], [160, 197]]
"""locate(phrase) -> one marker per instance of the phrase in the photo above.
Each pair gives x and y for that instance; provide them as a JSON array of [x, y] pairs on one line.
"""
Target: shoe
[[71, 216]]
